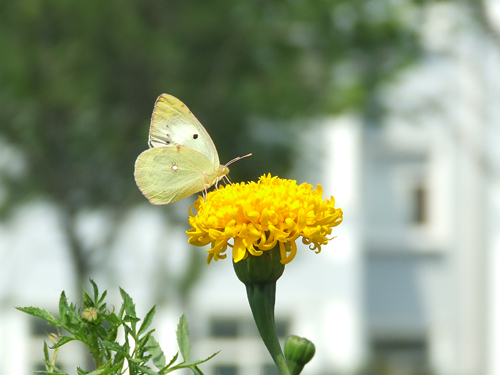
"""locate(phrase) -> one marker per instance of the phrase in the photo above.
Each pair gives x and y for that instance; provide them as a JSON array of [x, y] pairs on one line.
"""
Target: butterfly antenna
[[238, 158]]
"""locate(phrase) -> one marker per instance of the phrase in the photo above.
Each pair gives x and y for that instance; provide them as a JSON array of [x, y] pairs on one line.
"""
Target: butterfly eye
[[195, 136]]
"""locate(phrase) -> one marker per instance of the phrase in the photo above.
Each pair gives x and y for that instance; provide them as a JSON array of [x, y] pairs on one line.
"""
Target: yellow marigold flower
[[257, 216]]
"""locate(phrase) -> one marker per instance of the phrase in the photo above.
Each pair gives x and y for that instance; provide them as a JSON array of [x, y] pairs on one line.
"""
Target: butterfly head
[[223, 170]]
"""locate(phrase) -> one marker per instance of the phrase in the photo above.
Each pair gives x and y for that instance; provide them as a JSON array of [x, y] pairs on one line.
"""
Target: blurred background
[[391, 105]]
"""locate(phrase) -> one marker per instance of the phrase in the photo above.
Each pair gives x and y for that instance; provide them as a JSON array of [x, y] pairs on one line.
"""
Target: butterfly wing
[[171, 173], [172, 123]]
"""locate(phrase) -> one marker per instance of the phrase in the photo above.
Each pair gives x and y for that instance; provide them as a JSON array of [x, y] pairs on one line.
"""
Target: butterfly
[[182, 159]]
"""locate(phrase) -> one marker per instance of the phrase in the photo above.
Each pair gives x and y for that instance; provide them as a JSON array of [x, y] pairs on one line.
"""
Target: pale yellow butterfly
[[182, 159]]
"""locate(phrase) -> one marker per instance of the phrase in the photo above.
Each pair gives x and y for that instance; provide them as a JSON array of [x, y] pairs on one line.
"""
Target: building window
[[224, 327], [419, 205], [400, 356], [225, 370], [240, 327]]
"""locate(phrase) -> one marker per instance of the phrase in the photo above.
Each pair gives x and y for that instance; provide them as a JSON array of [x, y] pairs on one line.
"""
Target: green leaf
[[63, 307], [96, 290], [52, 369], [129, 331], [116, 347], [141, 345], [102, 297], [199, 362], [62, 340], [116, 368], [128, 303], [41, 313], [146, 370], [46, 351], [104, 369], [183, 338], [87, 300], [191, 365], [165, 369], [147, 320], [131, 319], [154, 349]]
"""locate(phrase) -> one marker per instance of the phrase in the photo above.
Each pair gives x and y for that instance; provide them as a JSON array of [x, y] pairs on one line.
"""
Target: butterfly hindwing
[[171, 173]]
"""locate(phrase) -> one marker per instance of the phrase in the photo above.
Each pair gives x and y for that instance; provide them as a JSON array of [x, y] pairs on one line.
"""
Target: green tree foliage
[[78, 80]]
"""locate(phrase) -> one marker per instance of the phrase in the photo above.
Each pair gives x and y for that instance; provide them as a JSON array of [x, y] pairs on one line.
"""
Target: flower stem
[[261, 297]]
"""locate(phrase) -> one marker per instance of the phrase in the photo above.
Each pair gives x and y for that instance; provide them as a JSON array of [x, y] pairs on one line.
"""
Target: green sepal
[[264, 268]]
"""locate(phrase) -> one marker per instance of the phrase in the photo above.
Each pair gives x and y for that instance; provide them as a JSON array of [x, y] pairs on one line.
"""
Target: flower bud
[[298, 352], [90, 314]]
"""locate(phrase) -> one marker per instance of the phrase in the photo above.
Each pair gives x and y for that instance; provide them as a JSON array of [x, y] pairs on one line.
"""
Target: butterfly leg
[[205, 192]]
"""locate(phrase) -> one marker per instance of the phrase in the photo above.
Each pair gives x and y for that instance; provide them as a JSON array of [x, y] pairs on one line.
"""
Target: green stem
[[261, 297]]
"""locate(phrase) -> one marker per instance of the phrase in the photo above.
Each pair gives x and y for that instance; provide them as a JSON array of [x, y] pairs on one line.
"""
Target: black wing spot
[[195, 136], [167, 142]]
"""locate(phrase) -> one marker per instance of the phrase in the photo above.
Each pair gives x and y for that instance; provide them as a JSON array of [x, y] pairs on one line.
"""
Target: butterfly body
[[182, 159]]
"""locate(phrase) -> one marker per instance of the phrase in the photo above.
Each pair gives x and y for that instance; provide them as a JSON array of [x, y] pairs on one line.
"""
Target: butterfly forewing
[[172, 123], [171, 173]]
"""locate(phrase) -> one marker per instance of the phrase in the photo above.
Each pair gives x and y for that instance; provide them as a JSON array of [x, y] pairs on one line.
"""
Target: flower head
[[257, 216]]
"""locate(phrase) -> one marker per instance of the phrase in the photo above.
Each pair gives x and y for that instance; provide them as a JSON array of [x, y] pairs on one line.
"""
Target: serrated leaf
[[199, 362], [63, 306], [141, 345], [102, 297], [146, 370], [46, 351], [129, 331], [96, 290], [183, 338], [165, 369], [128, 303], [116, 368], [131, 319], [116, 347], [148, 319], [113, 320], [104, 369], [53, 369], [41, 313], [192, 365], [87, 300], [153, 347], [62, 340]]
